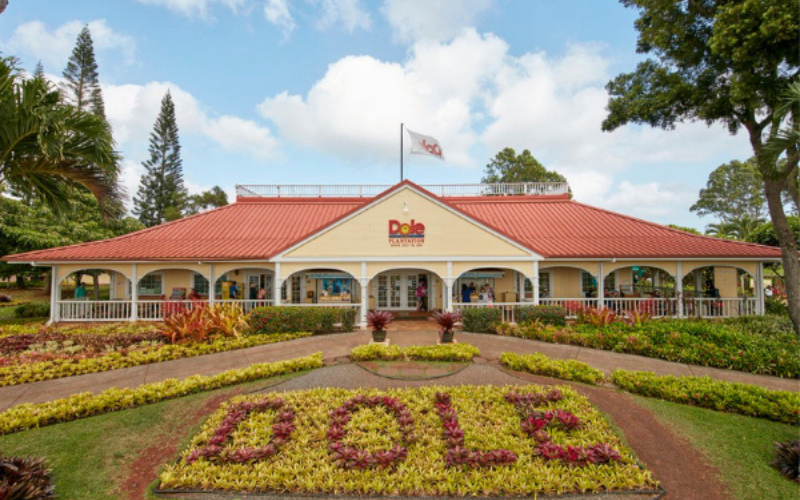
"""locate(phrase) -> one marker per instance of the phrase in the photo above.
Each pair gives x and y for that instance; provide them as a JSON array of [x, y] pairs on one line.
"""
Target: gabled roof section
[[484, 227]]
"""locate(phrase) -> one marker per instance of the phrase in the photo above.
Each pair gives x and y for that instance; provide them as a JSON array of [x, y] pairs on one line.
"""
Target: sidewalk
[[338, 346]]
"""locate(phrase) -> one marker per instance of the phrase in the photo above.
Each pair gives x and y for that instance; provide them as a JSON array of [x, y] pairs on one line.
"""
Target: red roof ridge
[[672, 229], [33, 253]]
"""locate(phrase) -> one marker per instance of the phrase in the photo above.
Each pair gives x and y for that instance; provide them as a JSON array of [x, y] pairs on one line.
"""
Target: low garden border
[[445, 352]]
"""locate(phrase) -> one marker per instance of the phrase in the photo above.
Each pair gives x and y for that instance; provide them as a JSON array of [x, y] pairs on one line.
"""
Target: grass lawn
[[90, 457], [28, 295], [740, 447]]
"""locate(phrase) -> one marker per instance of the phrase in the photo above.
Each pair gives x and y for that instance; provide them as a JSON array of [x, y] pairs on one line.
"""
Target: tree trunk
[[48, 284], [21, 282], [791, 260], [96, 281]]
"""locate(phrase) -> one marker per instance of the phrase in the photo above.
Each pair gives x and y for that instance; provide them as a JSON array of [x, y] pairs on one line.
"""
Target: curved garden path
[[338, 346]]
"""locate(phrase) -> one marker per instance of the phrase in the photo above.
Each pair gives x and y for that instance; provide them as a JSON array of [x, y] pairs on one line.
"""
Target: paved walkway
[[336, 346]]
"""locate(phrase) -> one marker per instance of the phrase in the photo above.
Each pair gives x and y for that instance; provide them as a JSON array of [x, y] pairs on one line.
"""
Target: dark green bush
[[481, 319], [284, 319], [776, 306], [787, 459], [21, 321], [770, 325], [548, 315], [732, 397], [32, 310]]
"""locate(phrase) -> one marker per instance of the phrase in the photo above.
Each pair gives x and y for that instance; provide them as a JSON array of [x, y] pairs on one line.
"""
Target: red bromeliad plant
[[190, 325], [596, 317], [349, 457], [379, 320], [534, 422], [446, 320], [216, 451], [457, 454]]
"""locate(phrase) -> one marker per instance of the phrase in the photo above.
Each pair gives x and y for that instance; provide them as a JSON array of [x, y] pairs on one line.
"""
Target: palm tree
[[49, 148]]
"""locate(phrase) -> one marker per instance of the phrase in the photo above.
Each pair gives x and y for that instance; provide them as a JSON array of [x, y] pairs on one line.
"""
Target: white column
[[55, 297], [447, 305], [364, 282], [759, 289], [534, 283], [212, 284], [277, 283], [601, 286], [134, 293], [679, 288]]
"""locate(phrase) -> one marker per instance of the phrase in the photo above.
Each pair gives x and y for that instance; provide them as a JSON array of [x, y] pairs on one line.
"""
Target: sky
[[314, 91]]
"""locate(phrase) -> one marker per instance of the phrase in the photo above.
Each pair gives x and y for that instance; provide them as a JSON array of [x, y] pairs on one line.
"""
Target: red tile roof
[[259, 228]]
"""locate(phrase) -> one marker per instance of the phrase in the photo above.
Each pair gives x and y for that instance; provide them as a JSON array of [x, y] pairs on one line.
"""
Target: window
[[544, 287], [152, 284], [589, 283], [200, 284]]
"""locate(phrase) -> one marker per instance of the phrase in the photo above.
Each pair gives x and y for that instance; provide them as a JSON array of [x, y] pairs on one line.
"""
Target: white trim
[[134, 292], [386, 195], [55, 291], [415, 258], [679, 287]]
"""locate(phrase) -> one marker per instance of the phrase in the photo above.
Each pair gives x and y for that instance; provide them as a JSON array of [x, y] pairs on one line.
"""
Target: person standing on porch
[[465, 293], [80, 291], [233, 291], [422, 293]]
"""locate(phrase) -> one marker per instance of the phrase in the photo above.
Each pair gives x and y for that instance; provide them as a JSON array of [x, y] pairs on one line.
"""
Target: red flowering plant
[[216, 451], [350, 457], [534, 422], [457, 454]]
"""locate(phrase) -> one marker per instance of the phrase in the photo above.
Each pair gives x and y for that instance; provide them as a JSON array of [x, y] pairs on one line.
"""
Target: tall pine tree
[[162, 196], [39, 71], [82, 86]]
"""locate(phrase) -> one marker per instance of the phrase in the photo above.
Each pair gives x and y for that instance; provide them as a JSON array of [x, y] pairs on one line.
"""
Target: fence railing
[[94, 310], [371, 190]]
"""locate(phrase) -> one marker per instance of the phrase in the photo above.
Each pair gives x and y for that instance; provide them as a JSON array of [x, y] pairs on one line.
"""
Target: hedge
[[732, 397], [273, 319], [547, 315], [28, 416], [32, 310], [481, 319], [455, 352], [539, 364]]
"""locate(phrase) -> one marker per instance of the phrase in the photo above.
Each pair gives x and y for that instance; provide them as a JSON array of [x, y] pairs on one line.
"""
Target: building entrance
[[397, 291]]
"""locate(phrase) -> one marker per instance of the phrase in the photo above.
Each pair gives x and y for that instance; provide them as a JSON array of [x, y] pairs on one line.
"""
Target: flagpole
[[401, 152]]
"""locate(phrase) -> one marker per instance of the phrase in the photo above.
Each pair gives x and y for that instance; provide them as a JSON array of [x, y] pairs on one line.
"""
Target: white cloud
[[129, 178], [53, 48], [348, 13], [652, 199], [355, 110], [132, 110], [196, 8], [413, 20], [277, 13]]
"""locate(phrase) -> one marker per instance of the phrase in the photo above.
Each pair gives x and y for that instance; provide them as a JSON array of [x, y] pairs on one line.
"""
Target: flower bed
[[454, 352], [539, 364], [750, 400], [27, 416], [428, 441], [68, 356], [696, 342]]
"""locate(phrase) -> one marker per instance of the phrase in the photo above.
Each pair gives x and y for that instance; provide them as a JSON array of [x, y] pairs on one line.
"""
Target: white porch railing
[[94, 310], [656, 306]]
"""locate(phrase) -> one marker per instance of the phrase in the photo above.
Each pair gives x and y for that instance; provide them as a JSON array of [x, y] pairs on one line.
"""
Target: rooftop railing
[[372, 190]]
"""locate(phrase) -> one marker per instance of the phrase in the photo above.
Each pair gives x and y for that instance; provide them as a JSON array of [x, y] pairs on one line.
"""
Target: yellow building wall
[[446, 234], [564, 282], [726, 279]]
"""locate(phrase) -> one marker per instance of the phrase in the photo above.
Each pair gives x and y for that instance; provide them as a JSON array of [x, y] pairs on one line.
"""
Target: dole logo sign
[[402, 234]]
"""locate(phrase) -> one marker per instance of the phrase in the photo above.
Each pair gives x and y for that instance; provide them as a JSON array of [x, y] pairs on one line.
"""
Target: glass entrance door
[[397, 291]]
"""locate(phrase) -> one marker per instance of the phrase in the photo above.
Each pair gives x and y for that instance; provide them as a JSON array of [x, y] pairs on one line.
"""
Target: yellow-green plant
[[538, 363], [447, 352], [27, 416]]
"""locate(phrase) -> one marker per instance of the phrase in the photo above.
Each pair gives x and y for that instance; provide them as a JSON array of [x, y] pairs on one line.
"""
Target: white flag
[[425, 145]]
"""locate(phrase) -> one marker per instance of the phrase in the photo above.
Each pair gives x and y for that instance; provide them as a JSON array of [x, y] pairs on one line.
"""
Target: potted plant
[[447, 321], [378, 321]]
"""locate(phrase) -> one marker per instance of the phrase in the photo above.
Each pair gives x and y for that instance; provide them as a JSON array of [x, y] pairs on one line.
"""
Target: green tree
[[733, 192], [685, 229], [213, 198], [82, 86], [728, 62], [38, 72], [48, 148], [161, 194], [508, 166], [26, 227]]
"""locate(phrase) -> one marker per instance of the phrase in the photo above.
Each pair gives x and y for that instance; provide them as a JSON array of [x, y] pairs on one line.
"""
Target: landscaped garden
[[466, 440], [764, 345]]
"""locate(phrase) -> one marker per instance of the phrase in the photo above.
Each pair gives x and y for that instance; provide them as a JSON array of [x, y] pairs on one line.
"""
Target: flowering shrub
[[750, 400], [282, 319], [50, 366], [539, 364], [448, 352], [706, 343], [362, 442], [351, 457], [27, 416]]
